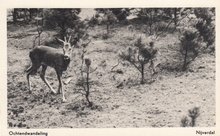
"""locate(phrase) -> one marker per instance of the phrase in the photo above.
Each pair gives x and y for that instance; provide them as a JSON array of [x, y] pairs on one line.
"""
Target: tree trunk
[[25, 16], [175, 17], [15, 15], [30, 14], [193, 122], [62, 32], [107, 28], [39, 40], [151, 23], [185, 58], [142, 73], [150, 33], [87, 88]]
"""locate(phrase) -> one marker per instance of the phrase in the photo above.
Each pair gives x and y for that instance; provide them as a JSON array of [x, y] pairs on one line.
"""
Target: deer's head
[[67, 48]]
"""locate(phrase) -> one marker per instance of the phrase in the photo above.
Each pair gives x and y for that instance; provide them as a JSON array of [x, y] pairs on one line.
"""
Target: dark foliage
[[206, 24], [61, 19]]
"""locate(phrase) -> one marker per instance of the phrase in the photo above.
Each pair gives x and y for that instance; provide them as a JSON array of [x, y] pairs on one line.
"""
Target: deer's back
[[49, 56]]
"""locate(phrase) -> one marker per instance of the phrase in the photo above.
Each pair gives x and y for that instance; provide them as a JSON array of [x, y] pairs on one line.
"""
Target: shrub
[[193, 114], [190, 45], [108, 18], [138, 56], [61, 19], [184, 121], [206, 24]]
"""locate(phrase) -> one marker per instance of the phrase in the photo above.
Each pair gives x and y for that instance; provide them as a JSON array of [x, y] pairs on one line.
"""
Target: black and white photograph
[[111, 67]]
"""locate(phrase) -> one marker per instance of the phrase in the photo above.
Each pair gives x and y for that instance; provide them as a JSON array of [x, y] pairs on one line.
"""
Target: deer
[[44, 56]]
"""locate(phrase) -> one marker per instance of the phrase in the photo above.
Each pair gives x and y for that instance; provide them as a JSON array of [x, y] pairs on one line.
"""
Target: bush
[[138, 56], [107, 18], [120, 13], [190, 43], [61, 19], [193, 114], [206, 24]]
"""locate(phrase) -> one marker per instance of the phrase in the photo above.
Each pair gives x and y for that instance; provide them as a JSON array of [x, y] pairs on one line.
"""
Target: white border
[[100, 4]]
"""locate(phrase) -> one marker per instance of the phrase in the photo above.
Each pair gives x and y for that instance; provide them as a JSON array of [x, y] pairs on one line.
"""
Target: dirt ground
[[120, 101]]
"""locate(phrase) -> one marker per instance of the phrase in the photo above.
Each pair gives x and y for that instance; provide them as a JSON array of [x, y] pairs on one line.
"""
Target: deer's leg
[[42, 75], [60, 88], [31, 71], [59, 76], [28, 81]]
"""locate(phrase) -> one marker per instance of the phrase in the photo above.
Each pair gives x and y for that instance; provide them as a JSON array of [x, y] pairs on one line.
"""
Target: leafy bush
[[120, 13], [107, 18], [138, 56], [190, 43], [61, 19], [193, 114], [206, 24]]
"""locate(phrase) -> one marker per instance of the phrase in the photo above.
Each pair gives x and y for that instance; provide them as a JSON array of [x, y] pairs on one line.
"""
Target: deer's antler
[[69, 39], [60, 40]]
